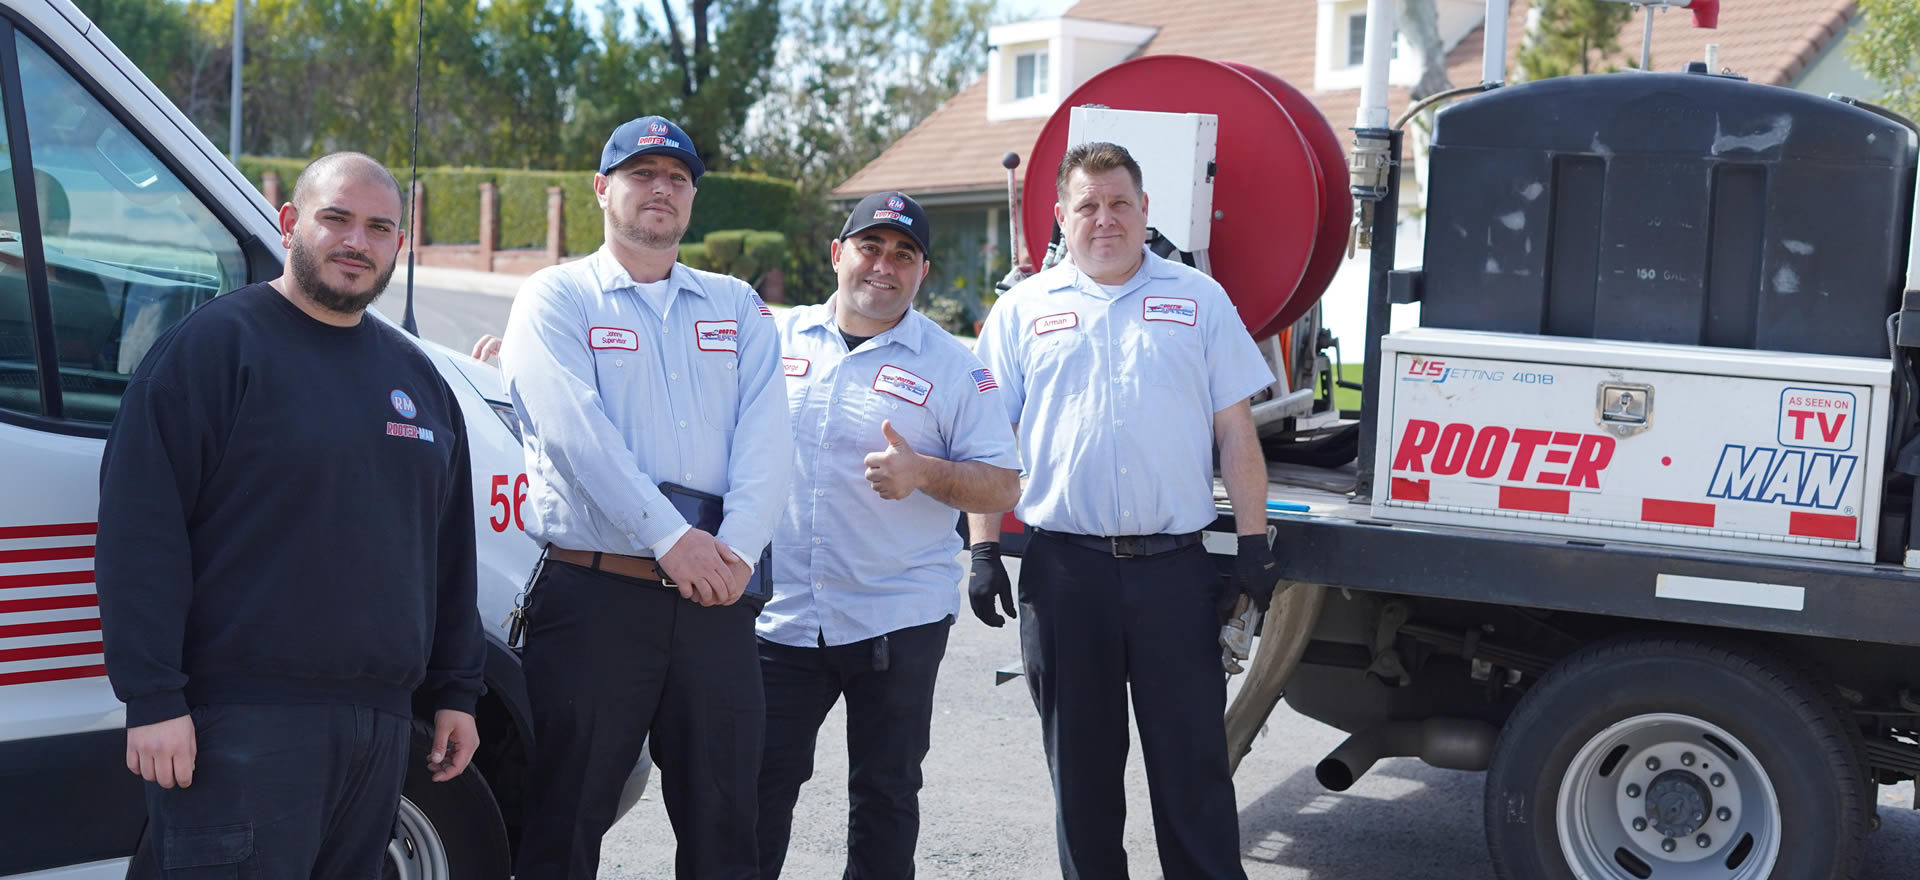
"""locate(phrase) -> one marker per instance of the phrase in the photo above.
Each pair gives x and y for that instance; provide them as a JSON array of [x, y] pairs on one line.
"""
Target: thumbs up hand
[[897, 470]]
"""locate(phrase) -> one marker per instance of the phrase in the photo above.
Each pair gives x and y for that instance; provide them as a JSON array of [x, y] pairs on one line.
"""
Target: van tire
[[1562, 781], [446, 830]]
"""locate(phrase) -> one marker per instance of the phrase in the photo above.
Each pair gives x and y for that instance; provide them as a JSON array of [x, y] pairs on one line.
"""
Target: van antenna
[[413, 167]]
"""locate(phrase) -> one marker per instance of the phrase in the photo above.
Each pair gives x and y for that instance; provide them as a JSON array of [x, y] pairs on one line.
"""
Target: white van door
[[102, 246]]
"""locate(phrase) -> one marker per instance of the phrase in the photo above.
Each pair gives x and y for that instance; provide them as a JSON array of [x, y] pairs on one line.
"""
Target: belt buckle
[[1124, 547]]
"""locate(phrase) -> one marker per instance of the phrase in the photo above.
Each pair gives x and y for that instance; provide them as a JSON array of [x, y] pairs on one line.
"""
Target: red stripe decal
[[42, 554], [1822, 525], [50, 627], [43, 652], [47, 579], [1680, 513], [1404, 489], [49, 603], [1536, 500], [1010, 524], [61, 674], [48, 531]]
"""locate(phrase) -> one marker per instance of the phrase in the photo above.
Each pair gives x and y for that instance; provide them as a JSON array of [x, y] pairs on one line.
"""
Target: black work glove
[[988, 579], [1256, 574]]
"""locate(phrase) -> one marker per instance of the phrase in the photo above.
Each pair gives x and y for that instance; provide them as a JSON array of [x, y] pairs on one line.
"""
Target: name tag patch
[[795, 367], [1170, 308], [613, 337], [902, 384], [1050, 323], [717, 335]]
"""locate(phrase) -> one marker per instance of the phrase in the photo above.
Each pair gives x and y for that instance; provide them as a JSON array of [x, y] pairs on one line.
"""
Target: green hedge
[[726, 201]]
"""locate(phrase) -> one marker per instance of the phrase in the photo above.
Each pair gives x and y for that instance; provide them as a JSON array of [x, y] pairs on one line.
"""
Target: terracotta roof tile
[[956, 149]]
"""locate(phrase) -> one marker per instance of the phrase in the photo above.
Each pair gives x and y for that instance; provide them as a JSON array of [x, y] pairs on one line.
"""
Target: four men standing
[[638, 378]]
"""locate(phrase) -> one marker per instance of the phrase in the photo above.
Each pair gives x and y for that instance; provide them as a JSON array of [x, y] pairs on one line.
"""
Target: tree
[[1423, 32], [853, 77], [1572, 36], [720, 63], [1888, 51]]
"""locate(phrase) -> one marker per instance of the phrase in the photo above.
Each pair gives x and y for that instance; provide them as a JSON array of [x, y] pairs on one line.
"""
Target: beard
[[646, 236], [306, 273]]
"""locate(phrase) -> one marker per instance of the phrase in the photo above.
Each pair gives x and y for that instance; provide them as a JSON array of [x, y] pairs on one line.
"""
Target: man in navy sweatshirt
[[286, 556]]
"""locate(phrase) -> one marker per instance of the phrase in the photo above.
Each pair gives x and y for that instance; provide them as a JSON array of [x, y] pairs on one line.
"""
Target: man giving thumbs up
[[865, 567]]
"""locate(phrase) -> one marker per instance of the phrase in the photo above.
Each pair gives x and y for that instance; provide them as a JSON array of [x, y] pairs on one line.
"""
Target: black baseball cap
[[895, 210], [650, 134]]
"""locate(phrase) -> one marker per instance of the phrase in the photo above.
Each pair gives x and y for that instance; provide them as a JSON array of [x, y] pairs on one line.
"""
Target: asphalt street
[[987, 806]]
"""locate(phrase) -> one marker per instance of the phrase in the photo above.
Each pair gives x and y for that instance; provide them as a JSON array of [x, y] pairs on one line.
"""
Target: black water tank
[[1675, 208]]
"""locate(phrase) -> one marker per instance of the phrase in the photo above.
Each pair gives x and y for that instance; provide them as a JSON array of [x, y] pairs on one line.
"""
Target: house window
[[1029, 75], [1357, 40]]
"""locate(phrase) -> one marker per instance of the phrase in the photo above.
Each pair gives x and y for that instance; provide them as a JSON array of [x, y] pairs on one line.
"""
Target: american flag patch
[[761, 305], [983, 380]]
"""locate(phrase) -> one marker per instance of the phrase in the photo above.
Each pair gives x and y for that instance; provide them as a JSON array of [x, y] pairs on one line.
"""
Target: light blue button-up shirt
[[847, 564], [1114, 393], [616, 398]]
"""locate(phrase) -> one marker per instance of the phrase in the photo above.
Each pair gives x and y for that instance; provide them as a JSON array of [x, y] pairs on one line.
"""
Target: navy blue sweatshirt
[[286, 516]]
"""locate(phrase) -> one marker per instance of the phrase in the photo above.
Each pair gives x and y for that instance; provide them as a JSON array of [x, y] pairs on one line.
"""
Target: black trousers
[[889, 725], [1091, 628], [294, 791], [609, 661]]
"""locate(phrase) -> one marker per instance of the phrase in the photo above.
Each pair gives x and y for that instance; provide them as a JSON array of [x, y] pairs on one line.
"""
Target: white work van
[[117, 217]]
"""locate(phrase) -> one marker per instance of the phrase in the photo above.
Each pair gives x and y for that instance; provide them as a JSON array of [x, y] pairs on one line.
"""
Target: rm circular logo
[[896, 203], [403, 404]]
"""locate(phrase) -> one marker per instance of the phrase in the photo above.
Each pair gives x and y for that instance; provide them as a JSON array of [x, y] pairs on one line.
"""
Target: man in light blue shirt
[[898, 425], [1122, 373], [630, 371]]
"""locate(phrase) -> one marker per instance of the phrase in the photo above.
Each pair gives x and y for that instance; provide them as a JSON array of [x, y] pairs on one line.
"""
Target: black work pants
[[609, 661], [298, 791], [1093, 626], [889, 725]]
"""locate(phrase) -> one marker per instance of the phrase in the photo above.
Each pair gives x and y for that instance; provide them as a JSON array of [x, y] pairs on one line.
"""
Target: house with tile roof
[[951, 161]]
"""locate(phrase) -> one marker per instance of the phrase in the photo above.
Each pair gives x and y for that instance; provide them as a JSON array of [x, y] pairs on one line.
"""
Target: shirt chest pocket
[[1063, 357], [716, 387], [626, 377], [1171, 355], [915, 421]]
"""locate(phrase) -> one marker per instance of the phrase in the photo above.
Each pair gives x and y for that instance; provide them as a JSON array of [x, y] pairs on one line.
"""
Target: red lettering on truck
[[1526, 455]]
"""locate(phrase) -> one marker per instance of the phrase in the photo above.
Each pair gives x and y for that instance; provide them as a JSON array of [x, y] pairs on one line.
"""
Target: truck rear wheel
[[1663, 759]]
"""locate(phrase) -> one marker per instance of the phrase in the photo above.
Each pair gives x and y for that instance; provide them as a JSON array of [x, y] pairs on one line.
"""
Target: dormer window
[[1036, 62], [1029, 75]]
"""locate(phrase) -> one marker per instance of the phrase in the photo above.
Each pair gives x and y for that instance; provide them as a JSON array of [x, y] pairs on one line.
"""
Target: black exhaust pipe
[[1447, 743]]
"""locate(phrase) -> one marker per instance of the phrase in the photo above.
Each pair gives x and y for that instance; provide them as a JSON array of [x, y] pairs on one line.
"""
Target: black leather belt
[[1127, 546]]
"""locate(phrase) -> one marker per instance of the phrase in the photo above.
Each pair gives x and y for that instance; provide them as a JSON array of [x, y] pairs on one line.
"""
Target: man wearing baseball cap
[[631, 371], [898, 427]]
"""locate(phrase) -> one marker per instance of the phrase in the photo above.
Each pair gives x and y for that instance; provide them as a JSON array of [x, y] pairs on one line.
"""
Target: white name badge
[[795, 367], [613, 337], [902, 384], [1050, 323]]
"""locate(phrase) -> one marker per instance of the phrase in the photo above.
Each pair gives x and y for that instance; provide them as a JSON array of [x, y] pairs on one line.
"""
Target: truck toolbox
[[1709, 448]]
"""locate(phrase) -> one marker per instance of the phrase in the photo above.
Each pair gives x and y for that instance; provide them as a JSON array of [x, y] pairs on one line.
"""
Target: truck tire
[[1675, 759], [446, 830]]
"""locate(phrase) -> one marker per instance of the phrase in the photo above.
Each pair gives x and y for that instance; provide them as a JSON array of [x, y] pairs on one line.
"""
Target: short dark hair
[[365, 167], [1097, 157]]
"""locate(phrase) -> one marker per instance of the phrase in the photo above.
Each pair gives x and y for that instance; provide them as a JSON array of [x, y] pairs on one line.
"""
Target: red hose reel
[[1280, 199]]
